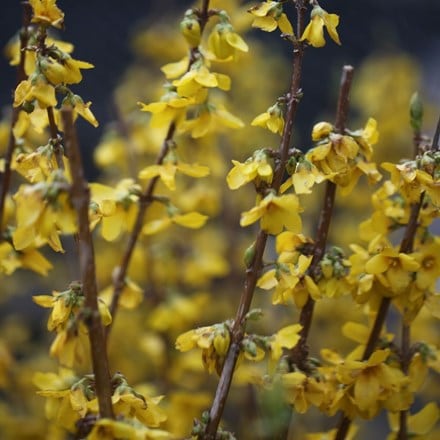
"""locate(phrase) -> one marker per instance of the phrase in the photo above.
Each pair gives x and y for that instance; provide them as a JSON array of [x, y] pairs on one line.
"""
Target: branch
[[145, 201], [146, 197], [21, 75], [253, 272], [299, 354], [80, 197], [406, 246]]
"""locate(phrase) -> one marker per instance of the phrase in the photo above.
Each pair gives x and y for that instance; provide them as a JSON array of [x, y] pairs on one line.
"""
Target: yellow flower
[[214, 342], [43, 212], [275, 213], [56, 389], [304, 178], [272, 119], [322, 130], [109, 429], [29, 258], [224, 43], [83, 109], [170, 108], [210, 118], [413, 177], [65, 71], [287, 337], [393, 269], [190, 28], [314, 32], [419, 424], [290, 282], [344, 158], [167, 172], [192, 83], [116, 207], [269, 16], [429, 271], [372, 381], [255, 167], [192, 220], [47, 13], [131, 296], [302, 391], [37, 89]]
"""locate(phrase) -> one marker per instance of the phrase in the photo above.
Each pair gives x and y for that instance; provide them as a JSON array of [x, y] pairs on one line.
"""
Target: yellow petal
[[192, 220]]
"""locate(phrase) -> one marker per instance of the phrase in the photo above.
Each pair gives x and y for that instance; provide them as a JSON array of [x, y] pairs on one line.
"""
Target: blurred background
[[394, 46]]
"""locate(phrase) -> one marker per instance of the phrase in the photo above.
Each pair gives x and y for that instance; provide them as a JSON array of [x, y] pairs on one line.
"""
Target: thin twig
[[299, 354], [21, 75], [405, 359], [253, 272], [145, 199], [80, 197], [406, 246], [55, 138]]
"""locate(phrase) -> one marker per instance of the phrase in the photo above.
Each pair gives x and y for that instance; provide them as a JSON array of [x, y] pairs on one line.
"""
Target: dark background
[[101, 30]]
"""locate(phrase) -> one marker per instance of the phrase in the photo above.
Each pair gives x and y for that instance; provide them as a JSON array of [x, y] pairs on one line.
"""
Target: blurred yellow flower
[[269, 16], [47, 12], [314, 32], [224, 43]]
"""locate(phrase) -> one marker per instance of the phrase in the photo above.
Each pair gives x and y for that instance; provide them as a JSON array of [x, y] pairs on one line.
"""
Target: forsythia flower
[[269, 16], [190, 28], [171, 107], [393, 269], [168, 169], [29, 258], [214, 342], [314, 32], [287, 337], [272, 119], [193, 82], [223, 42], [65, 71], [43, 212], [83, 109], [373, 381], [192, 220], [290, 282], [210, 118], [47, 12], [302, 391], [275, 213], [116, 207], [35, 89], [130, 297], [344, 158], [419, 424], [254, 167]]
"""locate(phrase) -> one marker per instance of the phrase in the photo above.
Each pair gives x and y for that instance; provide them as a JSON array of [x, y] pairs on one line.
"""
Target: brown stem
[[405, 359], [146, 198], [80, 198], [55, 138], [254, 269], [21, 75], [406, 247], [299, 354], [144, 202], [435, 140]]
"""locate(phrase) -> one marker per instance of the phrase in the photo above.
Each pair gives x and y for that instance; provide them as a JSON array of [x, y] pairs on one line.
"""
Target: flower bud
[[416, 112], [190, 28]]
